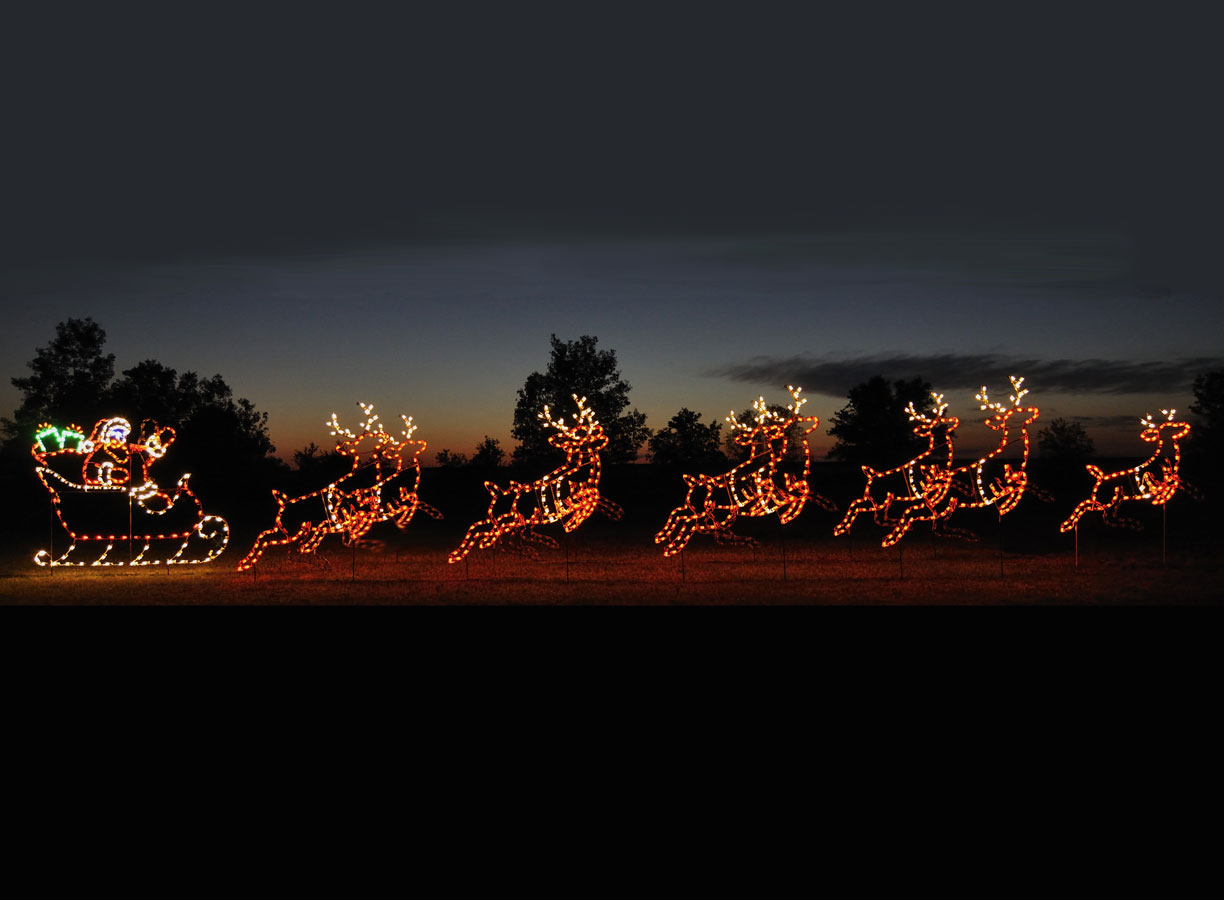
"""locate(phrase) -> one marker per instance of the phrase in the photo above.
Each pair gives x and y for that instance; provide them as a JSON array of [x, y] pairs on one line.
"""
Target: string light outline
[[767, 494], [926, 483], [109, 436], [351, 511], [1136, 483], [967, 482], [563, 495]]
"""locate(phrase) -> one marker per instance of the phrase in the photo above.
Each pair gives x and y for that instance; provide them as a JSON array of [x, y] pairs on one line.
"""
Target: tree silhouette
[[1064, 440], [70, 376], [222, 440], [489, 454], [688, 444], [448, 460], [874, 428], [577, 367]]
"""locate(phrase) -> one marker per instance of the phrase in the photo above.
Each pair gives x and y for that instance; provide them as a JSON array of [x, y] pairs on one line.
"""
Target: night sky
[[328, 205]]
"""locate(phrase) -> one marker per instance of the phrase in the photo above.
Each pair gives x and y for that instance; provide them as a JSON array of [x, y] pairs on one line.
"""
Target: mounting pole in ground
[[1164, 533], [901, 559], [784, 558], [1000, 545], [354, 560], [129, 493], [1077, 545], [682, 564]]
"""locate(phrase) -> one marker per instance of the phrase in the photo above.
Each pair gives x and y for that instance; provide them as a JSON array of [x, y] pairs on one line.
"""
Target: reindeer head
[[926, 424], [1168, 430], [770, 427], [1002, 414], [375, 445], [585, 434]]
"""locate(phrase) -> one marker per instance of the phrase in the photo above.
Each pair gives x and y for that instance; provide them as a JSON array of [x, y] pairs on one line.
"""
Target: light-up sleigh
[[113, 513]]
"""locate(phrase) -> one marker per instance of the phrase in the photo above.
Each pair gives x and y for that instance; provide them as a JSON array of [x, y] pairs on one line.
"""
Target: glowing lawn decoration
[[381, 486], [126, 505], [568, 494], [1154, 481], [897, 497], [753, 488], [970, 487]]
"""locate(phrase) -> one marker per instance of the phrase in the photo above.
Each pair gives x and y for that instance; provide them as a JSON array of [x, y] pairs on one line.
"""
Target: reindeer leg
[[861, 505], [799, 493], [911, 514], [678, 530], [430, 511], [584, 503], [610, 509], [530, 536]]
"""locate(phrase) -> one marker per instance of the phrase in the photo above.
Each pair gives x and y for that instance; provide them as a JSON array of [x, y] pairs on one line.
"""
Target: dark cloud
[[835, 376]]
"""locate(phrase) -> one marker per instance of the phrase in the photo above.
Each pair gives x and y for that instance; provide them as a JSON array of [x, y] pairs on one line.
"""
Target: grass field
[[606, 566]]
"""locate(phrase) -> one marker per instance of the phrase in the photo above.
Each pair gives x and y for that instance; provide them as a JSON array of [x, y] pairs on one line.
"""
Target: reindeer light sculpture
[[754, 488], [970, 488], [381, 486], [913, 487], [1155, 480], [126, 505], [568, 494]]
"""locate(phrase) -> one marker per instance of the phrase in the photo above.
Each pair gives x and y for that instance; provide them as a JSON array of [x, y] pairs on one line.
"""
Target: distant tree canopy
[[489, 454], [221, 439], [69, 376], [448, 460], [1064, 440], [577, 367], [873, 428], [1207, 438], [688, 444]]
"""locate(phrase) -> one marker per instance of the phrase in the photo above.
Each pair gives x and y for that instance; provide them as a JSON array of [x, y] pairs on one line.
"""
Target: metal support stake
[[1000, 545], [901, 559], [1164, 533], [784, 559], [129, 493], [682, 565]]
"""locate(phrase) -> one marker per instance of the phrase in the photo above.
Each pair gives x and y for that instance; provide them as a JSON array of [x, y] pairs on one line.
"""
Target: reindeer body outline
[[915, 486], [968, 484], [568, 494], [752, 489], [1137, 483], [357, 501]]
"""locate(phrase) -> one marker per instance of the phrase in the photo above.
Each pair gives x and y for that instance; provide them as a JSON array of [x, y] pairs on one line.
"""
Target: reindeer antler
[[409, 428], [559, 424], [764, 413], [940, 406], [795, 403], [367, 427], [1016, 383], [1147, 422]]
